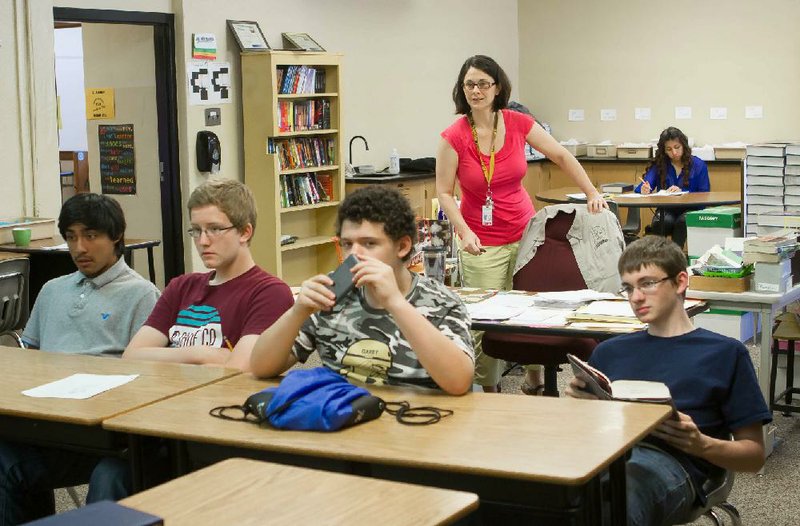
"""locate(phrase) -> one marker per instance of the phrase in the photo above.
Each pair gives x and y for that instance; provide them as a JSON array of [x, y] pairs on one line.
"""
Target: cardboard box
[[576, 149], [601, 150], [709, 227], [729, 153], [732, 323], [720, 284], [40, 228], [639, 152]]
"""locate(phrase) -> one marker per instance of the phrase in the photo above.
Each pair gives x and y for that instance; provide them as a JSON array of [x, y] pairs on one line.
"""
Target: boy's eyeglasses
[[211, 232], [646, 287]]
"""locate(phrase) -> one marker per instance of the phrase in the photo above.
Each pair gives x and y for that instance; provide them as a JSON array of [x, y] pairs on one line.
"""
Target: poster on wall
[[208, 82], [117, 168]]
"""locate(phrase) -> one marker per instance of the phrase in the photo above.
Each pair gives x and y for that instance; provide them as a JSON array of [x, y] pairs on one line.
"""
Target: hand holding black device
[[343, 278]]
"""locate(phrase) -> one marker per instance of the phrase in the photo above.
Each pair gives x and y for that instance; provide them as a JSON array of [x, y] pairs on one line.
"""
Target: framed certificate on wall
[[300, 41], [248, 35]]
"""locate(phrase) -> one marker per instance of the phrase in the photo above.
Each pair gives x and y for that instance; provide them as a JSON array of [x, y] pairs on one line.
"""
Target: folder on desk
[[103, 512]]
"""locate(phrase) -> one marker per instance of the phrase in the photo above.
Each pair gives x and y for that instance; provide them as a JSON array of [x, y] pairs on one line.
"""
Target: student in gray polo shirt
[[95, 310]]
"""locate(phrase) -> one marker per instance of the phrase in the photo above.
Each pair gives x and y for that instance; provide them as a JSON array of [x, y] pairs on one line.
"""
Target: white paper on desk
[[569, 298], [609, 308], [479, 311], [576, 196], [509, 299], [541, 317], [667, 192], [62, 246], [80, 386]]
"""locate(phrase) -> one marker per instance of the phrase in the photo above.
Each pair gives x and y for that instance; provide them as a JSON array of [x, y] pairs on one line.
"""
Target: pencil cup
[[434, 260], [22, 236]]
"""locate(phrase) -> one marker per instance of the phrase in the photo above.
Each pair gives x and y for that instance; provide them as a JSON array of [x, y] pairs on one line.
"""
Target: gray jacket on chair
[[596, 240]]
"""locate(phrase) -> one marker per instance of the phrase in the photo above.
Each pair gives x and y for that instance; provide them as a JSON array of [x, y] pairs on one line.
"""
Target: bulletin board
[[117, 166]]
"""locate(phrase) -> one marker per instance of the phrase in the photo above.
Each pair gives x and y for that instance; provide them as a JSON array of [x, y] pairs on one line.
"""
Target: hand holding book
[[599, 385]]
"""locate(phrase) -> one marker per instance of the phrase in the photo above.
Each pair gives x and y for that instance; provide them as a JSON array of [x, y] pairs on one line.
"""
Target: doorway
[[134, 54]]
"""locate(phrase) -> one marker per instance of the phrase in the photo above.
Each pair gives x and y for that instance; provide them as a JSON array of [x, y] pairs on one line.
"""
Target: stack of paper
[[605, 311], [501, 306], [569, 299]]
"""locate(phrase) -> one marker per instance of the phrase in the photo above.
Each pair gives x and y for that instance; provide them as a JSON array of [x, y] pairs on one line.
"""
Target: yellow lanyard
[[488, 173]]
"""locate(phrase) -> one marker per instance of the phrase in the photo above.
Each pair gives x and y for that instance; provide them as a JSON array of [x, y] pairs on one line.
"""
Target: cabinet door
[[414, 191], [725, 177]]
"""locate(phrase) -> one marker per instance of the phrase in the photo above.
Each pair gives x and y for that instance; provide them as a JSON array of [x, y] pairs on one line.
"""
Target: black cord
[[416, 416]]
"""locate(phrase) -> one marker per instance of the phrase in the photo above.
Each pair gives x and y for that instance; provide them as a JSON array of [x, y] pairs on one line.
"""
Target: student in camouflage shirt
[[395, 327]]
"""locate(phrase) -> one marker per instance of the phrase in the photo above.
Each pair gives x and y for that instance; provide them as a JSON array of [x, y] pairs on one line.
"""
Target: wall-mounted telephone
[[209, 152]]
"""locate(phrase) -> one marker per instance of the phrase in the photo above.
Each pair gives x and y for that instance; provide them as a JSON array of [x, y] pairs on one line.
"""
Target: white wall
[[626, 53], [70, 88]]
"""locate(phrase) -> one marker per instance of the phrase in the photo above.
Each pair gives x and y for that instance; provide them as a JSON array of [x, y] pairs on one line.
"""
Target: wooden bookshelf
[[313, 223]]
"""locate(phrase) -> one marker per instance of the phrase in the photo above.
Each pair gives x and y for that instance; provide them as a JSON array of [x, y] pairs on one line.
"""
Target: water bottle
[[394, 162]]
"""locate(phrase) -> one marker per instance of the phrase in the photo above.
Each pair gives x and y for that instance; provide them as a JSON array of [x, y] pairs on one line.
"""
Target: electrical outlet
[[213, 116]]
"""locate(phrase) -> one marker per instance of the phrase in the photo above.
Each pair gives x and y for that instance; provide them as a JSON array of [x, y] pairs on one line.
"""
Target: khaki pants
[[494, 269]]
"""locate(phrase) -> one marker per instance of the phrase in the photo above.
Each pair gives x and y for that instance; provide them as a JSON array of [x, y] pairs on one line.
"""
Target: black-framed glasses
[[482, 85], [646, 287], [211, 232]]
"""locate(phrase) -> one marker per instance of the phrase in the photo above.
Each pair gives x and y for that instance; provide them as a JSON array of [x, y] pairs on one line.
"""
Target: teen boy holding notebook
[[710, 377]]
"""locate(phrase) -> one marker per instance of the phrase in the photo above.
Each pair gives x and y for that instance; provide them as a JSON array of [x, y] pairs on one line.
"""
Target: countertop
[[386, 178], [585, 159]]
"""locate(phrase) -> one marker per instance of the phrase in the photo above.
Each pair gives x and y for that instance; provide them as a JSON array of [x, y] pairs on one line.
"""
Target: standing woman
[[674, 169], [484, 151]]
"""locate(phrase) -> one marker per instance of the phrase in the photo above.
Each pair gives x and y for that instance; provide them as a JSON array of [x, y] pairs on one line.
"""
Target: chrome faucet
[[351, 146]]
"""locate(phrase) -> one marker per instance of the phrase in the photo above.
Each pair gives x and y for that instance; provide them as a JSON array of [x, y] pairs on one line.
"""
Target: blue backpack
[[309, 400]]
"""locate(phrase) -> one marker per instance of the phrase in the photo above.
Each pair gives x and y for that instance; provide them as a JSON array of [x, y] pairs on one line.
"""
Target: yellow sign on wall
[[99, 103]]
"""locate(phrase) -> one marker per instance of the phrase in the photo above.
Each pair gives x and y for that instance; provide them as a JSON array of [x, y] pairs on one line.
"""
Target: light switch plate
[[213, 116]]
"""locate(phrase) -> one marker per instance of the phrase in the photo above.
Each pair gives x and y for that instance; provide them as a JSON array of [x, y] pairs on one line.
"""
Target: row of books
[[303, 152], [305, 189], [304, 115], [300, 79], [772, 181], [770, 248]]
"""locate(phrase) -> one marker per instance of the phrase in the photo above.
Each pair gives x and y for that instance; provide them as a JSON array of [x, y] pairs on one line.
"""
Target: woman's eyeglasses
[[482, 85]]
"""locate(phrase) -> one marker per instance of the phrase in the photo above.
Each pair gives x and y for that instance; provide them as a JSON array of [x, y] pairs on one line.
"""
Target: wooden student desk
[[239, 491], [526, 457], [48, 263], [71, 424]]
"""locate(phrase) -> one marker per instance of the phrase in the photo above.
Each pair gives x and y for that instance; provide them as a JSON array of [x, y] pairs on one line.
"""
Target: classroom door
[[133, 53]]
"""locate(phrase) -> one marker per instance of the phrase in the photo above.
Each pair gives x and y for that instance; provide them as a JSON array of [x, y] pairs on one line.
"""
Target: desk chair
[[787, 329], [633, 222], [12, 287], [718, 488], [553, 268]]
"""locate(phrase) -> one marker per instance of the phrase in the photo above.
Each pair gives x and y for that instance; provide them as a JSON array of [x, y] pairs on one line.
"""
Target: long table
[[76, 424], [240, 491], [48, 262], [526, 457]]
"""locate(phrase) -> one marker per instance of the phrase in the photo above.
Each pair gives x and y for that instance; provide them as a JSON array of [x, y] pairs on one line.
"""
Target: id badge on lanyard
[[486, 211]]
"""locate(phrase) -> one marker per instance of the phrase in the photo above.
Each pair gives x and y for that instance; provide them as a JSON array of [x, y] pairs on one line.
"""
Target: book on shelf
[[791, 190], [767, 149], [302, 189], [774, 243], [299, 79], [617, 188], [775, 171], [764, 180], [753, 160], [303, 152], [792, 160], [763, 199], [793, 149], [598, 384], [791, 170], [748, 258], [757, 189]]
